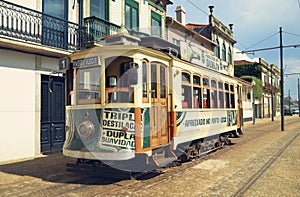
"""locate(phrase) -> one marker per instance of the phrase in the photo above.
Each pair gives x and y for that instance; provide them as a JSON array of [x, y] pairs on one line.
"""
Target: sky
[[256, 25]]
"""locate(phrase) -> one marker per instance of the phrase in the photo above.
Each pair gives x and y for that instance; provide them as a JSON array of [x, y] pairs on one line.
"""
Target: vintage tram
[[132, 106]]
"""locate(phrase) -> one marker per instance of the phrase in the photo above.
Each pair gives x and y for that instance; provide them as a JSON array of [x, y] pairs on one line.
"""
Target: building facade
[[269, 78], [223, 38]]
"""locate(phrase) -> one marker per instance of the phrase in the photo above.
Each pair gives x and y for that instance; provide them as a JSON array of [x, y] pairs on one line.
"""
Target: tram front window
[[88, 85]]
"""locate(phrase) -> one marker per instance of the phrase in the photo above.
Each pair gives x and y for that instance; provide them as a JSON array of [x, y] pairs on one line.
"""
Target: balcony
[[98, 28], [31, 26], [32, 30]]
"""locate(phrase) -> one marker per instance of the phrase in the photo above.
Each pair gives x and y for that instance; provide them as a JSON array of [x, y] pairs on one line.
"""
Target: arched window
[[221, 94], [206, 93], [217, 49], [229, 56], [213, 90], [227, 97], [224, 52], [186, 88], [197, 94]]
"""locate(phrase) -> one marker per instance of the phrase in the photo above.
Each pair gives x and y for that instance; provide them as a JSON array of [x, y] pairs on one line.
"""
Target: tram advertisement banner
[[205, 122], [117, 132], [198, 56]]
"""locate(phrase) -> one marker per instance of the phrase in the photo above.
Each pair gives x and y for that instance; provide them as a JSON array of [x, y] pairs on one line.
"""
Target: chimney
[[211, 9], [231, 26], [211, 17], [180, 15]]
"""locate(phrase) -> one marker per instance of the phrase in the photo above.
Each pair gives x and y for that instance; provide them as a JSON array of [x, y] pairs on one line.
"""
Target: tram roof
[[118, 50], [131, 50]]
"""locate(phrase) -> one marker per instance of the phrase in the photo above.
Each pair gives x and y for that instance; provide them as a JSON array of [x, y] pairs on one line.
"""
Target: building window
[[56, 8], [217, 49], [131, 15], [224, 52], [54, 30], [99, 8], [229, 56], [155, 24], [176, 41]]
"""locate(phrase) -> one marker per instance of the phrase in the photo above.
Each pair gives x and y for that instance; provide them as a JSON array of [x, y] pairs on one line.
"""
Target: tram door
[[158, 113], [52, 113]]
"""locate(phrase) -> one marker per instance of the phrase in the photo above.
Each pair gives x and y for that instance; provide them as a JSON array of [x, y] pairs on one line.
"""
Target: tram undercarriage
[[161, 157]]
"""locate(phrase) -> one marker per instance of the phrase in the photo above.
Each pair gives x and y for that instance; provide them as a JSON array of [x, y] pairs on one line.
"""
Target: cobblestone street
[[263, 162]]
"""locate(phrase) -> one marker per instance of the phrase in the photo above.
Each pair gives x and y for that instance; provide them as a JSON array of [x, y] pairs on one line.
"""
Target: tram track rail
[[252, 180], [141, 181]]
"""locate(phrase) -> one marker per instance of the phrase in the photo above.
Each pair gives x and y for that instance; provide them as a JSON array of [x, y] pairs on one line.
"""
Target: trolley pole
[[272, 92], [281, 80], [253, 102], [299, 96], [289, 99]]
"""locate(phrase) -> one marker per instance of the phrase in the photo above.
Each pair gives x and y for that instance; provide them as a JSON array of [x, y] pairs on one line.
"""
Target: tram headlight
[[86, 129]]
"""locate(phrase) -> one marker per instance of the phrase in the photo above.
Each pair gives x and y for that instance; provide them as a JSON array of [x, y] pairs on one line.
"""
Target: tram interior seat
[[185, 104], [196, 103]]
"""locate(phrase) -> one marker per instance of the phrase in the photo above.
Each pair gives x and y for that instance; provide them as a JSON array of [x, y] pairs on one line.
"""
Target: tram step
[[162, 161]]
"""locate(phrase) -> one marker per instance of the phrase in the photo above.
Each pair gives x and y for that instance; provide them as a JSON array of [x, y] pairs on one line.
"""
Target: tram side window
[[227, 100], [88, 80], [232, 97], [145, 82], [197, 96], [186, 90], [221, 94], [206, 93], [214, 103]]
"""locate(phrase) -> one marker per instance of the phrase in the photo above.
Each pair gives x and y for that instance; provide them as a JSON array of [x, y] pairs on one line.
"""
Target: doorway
[[52, 113], [159, 109]]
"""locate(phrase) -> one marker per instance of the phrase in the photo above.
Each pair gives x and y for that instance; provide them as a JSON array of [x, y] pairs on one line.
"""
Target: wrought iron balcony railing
[[33, 26], [98, 28]]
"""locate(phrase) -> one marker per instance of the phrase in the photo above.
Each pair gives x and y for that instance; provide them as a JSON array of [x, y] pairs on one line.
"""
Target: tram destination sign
[[89, 61]]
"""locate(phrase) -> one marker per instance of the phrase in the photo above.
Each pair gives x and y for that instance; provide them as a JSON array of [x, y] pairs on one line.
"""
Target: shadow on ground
[[52, 168]]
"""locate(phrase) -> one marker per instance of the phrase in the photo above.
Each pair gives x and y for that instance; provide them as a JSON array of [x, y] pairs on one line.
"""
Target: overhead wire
[[201, 29], [197, 7], [261, 41], [293, 34]]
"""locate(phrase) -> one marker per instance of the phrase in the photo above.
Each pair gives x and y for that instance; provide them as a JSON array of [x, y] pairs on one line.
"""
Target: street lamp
[[253, 101]]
